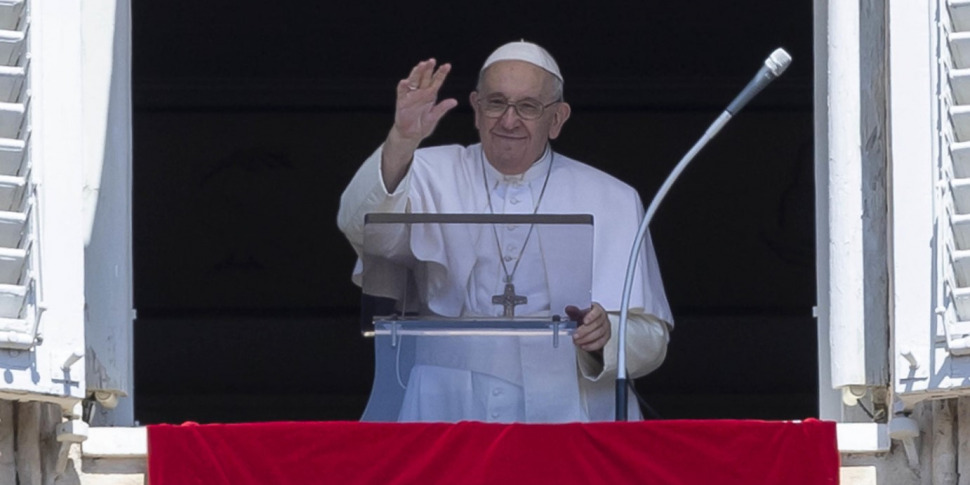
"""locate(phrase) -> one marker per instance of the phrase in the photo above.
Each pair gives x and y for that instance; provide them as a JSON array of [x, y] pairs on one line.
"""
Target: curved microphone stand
[[776, 64]]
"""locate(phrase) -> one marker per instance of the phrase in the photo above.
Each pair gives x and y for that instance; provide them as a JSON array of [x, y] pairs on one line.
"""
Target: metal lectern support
[[395, 328]]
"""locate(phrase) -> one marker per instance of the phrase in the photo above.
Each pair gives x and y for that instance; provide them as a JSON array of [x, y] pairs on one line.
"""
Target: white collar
[[537, 171]]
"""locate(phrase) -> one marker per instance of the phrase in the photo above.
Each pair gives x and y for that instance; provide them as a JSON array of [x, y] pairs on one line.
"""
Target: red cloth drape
[[721, 452]]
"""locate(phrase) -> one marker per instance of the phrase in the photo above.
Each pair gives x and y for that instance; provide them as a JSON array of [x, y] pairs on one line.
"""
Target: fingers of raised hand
[[424, 78], [404, 87], [417, 72], [443, 107], [439, 76], [411, 83], [426, 74]]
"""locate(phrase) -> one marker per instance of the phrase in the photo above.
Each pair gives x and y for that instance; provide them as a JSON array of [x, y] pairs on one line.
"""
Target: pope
[[519, 108]]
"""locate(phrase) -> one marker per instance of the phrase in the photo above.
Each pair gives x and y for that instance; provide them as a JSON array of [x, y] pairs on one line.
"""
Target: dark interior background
[[250, 119]]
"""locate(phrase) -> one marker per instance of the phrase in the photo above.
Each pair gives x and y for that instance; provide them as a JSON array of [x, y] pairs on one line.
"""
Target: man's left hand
[[593, 330]]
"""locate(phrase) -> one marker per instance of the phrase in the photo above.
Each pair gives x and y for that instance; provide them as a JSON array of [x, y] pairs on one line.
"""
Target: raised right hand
[[415, 118], [418, 110]]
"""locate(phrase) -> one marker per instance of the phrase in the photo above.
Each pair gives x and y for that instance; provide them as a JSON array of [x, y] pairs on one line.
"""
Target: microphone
[[776, 64]]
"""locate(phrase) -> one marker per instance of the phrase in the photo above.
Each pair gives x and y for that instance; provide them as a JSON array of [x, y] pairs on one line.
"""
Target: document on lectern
[[479, 292]]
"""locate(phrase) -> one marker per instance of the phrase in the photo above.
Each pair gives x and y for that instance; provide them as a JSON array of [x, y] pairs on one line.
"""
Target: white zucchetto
[[527, 52]]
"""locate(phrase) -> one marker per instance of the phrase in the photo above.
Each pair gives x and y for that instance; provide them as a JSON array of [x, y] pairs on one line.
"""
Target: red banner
[[722, 452]]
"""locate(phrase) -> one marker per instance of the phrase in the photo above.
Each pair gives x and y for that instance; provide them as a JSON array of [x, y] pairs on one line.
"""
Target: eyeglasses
[[527, 109]]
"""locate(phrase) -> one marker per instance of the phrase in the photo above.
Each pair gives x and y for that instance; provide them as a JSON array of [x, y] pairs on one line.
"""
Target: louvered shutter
[[953, 202], [18, 271], [42, 342], [930, 176]]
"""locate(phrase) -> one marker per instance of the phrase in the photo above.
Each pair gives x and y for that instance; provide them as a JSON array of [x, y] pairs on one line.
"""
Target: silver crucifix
[[509, 300]]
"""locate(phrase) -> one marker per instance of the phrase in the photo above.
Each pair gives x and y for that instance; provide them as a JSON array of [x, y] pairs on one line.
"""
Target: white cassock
[[508, 379]]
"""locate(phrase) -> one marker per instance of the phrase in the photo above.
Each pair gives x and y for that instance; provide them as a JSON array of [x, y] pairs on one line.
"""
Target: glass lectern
[[458, 290]]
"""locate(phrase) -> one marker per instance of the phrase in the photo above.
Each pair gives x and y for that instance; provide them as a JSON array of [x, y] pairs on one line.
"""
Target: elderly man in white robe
[[519, 107]]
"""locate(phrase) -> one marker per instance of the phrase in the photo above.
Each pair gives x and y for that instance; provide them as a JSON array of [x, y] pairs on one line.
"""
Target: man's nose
[[510, 117]]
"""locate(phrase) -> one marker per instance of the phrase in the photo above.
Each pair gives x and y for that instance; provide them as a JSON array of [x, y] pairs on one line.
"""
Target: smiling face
[[511, 143]]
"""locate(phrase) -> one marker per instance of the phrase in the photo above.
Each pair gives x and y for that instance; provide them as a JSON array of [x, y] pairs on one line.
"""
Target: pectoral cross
[[509, 300]]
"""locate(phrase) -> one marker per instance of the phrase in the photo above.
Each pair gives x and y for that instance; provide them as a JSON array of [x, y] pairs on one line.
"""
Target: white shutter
[[953, 203], [930, 123], [41, 238], [18, 309]]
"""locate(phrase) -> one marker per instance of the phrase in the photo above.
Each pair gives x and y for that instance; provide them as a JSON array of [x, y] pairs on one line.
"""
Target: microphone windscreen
[[778, 61]]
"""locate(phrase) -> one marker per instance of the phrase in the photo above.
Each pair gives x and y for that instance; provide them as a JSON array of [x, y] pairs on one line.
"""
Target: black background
[[250, 118]]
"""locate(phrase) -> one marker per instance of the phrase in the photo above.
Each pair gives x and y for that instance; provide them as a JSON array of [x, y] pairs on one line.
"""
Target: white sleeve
[[365, 194], [646, 347]]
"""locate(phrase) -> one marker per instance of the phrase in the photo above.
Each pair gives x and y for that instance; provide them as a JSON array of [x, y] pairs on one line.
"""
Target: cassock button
[[511, 227], [496, 392], [511, 248], [494, 415], [508, 258], [514, 200]]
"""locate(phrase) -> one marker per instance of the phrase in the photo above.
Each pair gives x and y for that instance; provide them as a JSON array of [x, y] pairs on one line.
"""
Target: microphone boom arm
[[776, 64]]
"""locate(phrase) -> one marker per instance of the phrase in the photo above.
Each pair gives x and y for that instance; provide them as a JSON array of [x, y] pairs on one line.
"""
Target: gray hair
[[557, 89]]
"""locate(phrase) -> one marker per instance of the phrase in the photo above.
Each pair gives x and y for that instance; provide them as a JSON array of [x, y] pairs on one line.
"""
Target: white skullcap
[[527, 52]]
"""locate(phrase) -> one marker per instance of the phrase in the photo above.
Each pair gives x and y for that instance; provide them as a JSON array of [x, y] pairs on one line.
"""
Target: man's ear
[[473, 99], [559, 119]]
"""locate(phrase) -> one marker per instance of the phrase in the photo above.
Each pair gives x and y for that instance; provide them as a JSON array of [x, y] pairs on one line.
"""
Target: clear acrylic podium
[[435, 292]]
